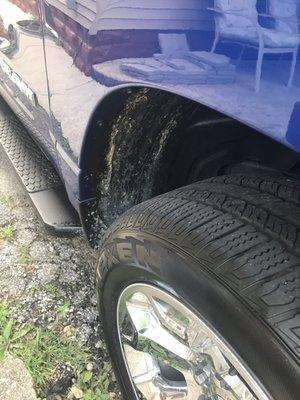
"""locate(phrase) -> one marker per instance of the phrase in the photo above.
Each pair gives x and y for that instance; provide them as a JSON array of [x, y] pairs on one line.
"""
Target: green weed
[[7, 200], [24, 253], [96, 388], [51, 289], [7, 232], [63, 309], [43, 349]]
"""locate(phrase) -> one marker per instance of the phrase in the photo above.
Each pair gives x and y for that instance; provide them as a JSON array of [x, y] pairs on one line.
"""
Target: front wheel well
[[144, 142]]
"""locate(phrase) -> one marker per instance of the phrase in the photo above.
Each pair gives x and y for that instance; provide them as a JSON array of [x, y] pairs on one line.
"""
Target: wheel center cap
[[171, 353]]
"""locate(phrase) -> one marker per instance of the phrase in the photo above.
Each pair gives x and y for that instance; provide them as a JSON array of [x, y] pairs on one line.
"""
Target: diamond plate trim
[[36, 172]]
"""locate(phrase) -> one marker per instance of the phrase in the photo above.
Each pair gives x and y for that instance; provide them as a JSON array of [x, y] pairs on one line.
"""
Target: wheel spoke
[[152, 335], [171, 354]]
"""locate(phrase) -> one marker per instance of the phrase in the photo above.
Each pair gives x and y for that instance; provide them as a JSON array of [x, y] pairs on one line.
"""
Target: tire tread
[[248, 231]]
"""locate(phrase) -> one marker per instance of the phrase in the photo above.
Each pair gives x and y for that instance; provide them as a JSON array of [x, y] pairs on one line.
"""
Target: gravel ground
[[40, 275]]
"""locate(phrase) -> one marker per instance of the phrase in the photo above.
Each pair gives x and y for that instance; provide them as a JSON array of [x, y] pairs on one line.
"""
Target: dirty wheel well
[[157, 141]]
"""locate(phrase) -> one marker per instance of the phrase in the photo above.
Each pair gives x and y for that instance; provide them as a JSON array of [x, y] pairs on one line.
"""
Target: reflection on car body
[[130, 99]]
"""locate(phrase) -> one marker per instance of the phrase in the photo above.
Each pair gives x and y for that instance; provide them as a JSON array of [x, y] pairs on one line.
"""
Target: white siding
[[152, 14], [138, 14], [84, 13]]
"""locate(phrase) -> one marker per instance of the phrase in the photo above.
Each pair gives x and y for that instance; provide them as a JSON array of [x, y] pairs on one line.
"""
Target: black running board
[[38, 176], [57, 214]]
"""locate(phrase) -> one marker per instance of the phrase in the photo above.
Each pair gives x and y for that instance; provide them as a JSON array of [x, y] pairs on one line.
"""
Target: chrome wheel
[[170, 353]]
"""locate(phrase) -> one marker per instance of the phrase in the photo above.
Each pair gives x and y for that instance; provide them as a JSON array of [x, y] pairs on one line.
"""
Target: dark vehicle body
[[131, 99], [64, 63]]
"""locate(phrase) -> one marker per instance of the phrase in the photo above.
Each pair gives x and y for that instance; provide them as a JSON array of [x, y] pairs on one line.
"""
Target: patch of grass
[[42, 350], [24, 253], [7, 232], [95, 395], [34, 288], [51, 289], [63, 309], [7, 200], [96, 388], [5, 328]]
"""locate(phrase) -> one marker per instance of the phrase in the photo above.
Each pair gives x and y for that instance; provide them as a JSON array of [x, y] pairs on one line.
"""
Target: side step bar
[[38, 176]]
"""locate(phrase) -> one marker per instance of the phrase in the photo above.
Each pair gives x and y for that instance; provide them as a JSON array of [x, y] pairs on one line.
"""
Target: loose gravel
[[40, 275]]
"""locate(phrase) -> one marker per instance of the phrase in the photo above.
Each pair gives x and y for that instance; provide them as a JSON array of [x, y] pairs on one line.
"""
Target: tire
[[227, 248]]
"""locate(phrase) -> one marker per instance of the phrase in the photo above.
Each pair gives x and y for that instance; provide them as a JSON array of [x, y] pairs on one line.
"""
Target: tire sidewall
[[130, 257]]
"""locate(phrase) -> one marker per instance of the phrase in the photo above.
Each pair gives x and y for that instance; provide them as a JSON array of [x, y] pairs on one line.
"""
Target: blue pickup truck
[[168, 131]]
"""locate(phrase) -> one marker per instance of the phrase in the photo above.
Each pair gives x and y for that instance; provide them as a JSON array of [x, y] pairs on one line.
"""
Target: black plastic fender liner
[[141, 142]]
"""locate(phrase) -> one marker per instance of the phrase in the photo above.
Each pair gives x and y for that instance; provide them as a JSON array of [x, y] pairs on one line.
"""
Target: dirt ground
[[47, 296]]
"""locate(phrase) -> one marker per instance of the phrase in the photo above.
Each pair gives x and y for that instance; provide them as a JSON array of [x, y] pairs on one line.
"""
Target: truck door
[[22, 66]]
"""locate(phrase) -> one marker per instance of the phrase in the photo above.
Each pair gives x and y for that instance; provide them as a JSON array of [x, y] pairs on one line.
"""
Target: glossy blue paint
[[239, 57]]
